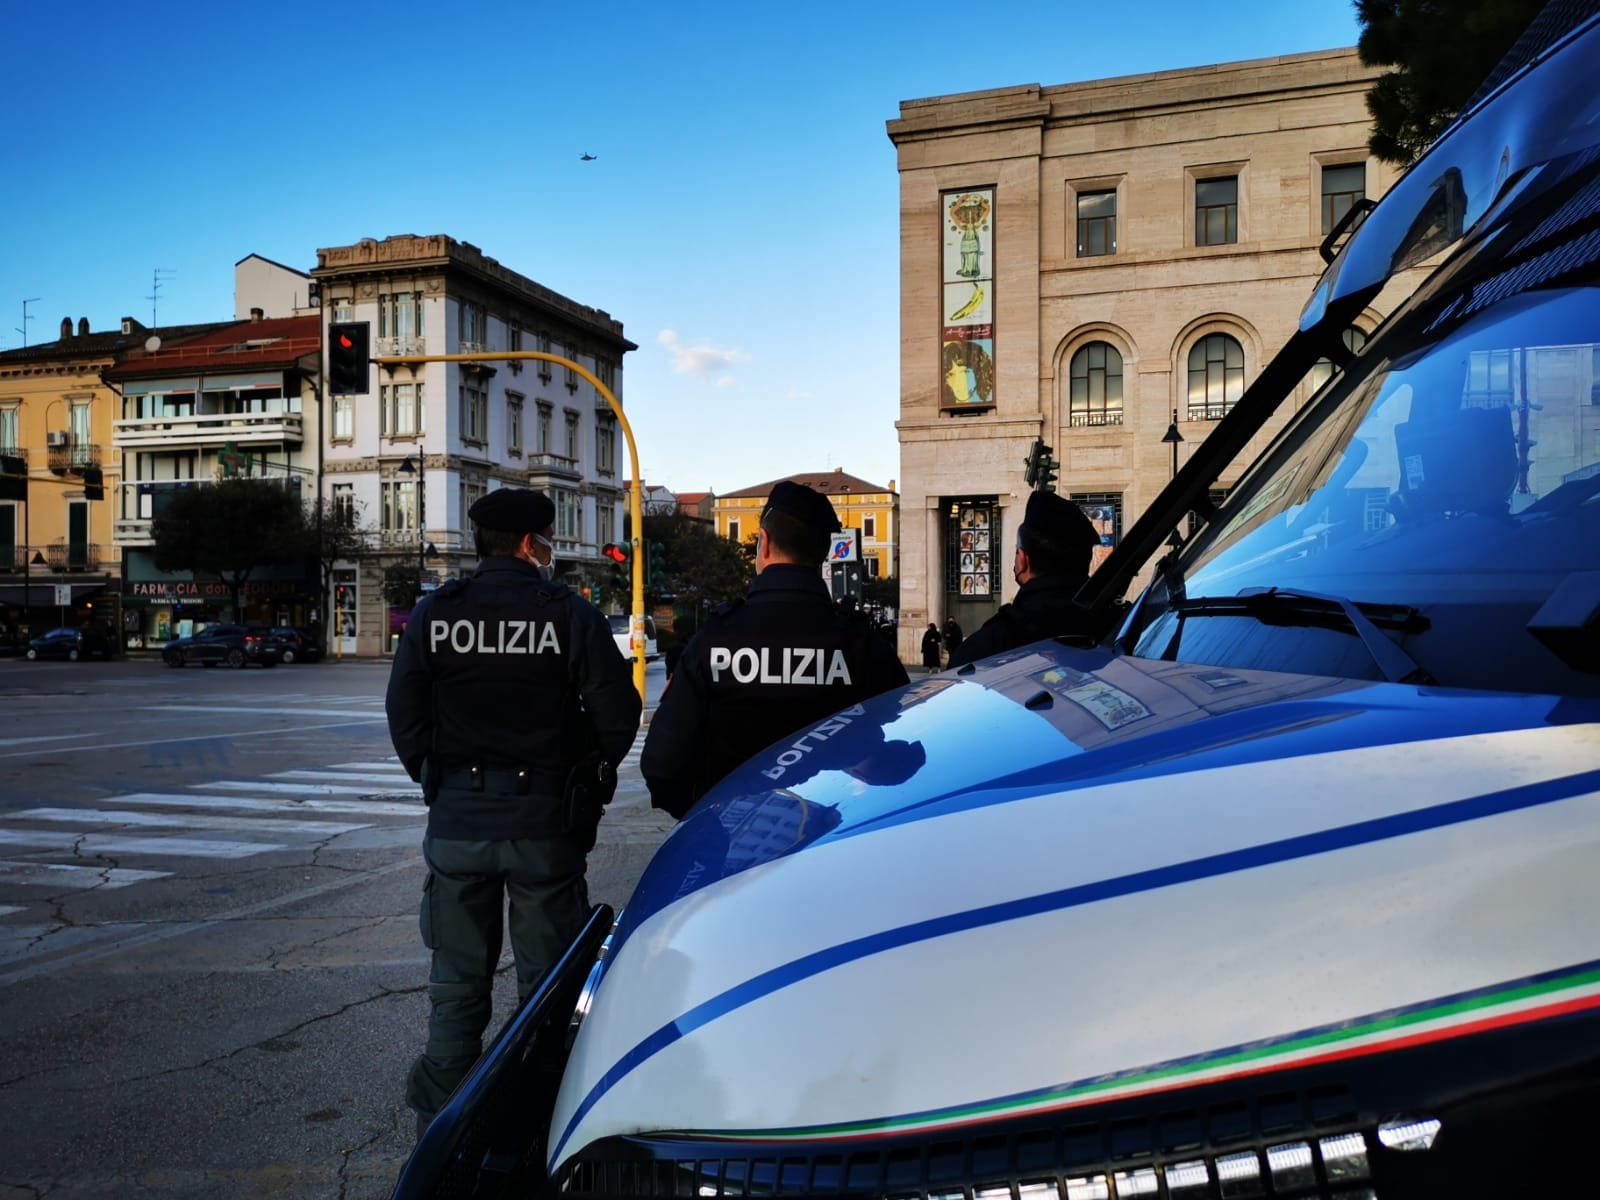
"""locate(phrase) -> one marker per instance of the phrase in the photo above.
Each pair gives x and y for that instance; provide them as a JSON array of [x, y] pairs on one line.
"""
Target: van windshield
[[1459, 485]]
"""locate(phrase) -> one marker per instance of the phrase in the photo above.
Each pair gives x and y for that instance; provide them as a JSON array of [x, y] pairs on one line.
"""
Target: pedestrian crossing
[[47, 850]]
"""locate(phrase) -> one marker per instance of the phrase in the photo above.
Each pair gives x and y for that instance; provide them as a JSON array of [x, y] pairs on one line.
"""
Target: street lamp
[[414, 465], [1172, 438]]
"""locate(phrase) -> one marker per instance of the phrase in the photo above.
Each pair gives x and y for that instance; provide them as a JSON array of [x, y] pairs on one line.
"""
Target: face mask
[[547, 571]]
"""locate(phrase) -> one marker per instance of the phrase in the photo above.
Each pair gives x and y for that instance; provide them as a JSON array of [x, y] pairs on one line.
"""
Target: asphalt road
[[211, 981]]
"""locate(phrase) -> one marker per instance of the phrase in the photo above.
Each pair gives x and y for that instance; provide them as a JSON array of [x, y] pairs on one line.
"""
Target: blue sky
[[740, 218]]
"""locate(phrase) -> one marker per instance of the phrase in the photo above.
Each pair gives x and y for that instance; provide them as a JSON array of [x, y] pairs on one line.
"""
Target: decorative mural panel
[[967, 312]]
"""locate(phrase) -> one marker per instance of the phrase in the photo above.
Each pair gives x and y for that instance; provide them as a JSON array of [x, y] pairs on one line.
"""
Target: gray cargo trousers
[[462, 920]]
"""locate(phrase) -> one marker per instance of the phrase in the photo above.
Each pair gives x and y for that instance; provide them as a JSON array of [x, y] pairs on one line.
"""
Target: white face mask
[[547, 571]]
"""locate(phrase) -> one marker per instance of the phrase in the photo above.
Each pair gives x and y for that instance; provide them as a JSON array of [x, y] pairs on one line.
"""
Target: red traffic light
[[614, 552]]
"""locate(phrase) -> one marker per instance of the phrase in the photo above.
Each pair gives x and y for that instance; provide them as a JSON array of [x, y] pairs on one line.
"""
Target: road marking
[[232, 735], [98, 816], [54, 737], [386, 765], [8, 909], [85, 844], [397, 779], [395, 808], [254, 710], [74, 875], [299, 789]]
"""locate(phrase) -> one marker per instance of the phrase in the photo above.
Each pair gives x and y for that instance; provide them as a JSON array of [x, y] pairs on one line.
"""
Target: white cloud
[[727, 381], [797, 395], [699, 361]]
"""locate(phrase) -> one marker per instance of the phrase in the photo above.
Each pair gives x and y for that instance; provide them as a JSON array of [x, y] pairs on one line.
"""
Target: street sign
[[843, 547], [63, 593]]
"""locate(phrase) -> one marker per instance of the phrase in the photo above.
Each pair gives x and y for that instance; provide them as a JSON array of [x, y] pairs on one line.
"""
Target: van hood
[[1032, 866]]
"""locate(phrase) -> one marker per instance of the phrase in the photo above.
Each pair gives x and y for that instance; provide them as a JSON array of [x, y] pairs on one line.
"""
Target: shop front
[[158, 606]]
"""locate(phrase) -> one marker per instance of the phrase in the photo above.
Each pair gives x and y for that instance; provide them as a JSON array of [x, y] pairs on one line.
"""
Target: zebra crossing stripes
[[101, 816], [74, 876], [89, 845]]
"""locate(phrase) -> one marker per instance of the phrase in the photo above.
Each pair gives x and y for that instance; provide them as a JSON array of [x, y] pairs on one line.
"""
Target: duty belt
[[516, 781]]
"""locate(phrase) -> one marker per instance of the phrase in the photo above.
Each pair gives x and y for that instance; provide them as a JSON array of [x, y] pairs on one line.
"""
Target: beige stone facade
[[1064, 293]]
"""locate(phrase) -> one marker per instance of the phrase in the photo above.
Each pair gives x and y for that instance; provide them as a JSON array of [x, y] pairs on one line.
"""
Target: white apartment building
[[429, 439]]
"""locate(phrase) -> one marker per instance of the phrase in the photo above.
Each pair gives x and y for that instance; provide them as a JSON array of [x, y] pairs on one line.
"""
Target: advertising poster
[[967, 300]]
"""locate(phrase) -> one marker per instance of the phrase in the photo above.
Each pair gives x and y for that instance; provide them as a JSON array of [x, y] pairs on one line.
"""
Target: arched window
[[1096, 376], [1216, 376], [1322, 369]]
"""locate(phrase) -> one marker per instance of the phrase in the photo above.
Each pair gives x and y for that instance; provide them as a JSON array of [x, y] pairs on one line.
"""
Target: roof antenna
[[25, 319], [155, 290]]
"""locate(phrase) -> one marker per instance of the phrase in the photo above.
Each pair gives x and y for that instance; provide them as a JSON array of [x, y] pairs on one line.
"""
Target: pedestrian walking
[[952, 637], [782, 658], [931, 642], [509, 703], [1054, 544]]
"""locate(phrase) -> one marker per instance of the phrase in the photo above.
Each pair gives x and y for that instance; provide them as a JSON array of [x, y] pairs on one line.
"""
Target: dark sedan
[[295, 645], [230, 645], [70, 644]]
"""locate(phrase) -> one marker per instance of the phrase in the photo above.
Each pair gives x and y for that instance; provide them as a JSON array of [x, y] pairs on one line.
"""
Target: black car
[[231, 645], [71, 644], [295, 645]]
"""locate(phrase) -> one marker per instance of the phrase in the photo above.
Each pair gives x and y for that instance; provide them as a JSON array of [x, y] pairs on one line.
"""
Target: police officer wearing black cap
[[509, 702], [1054, 545], [783, 658]]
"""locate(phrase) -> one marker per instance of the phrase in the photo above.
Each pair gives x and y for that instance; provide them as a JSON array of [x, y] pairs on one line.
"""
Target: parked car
[[295, 645], [71, 644], [1278, 882], [230, 645], [621, 635]]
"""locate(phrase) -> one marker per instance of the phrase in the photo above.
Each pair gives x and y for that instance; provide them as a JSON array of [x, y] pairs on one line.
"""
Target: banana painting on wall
[[967, 369]]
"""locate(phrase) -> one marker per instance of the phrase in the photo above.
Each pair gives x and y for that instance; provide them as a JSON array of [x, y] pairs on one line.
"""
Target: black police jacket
[[782, 659], [1043, 608], [513, 676]]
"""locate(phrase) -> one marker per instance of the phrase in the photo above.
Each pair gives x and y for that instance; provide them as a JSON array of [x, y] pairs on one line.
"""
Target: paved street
[[211, 981]]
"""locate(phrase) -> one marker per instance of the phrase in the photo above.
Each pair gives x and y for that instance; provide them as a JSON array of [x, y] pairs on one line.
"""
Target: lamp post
[[1172, 438], [425, 549]]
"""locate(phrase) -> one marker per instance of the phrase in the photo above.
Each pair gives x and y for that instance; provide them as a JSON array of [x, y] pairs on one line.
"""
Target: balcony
[[133, 531], [400, 347], [67, 455], [207, 430], [60, 558], [543, 467]]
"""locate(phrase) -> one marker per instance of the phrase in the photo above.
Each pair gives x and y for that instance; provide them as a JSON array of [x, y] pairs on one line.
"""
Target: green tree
[[1442, 49], [227, 530], [701, 568], [333, 533], [402, 584]]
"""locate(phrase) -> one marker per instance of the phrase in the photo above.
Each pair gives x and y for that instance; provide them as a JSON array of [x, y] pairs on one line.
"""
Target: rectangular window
[[471, 493], [544, 348], [605, 447], [1216, 211], [344, 501], [1097, 224], [399, 505], [1342, 186], [572, 376], [572, 436], [871, 563], [8, 429], [514, 343], [606, 371], [869, 527], [10, 560], [543, 444], [605, 519], [343, 310], [344, 418], [474, 325], [568, 515], [733, 530], [400, 319], [82, 452], [514, 423], [401, 405], [474, 413]]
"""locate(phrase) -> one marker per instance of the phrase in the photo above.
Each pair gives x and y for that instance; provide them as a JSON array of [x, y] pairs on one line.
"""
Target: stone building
[[1094, 265]]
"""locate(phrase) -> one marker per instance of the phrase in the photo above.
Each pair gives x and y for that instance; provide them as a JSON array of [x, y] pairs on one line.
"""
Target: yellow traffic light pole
[[636, 618]]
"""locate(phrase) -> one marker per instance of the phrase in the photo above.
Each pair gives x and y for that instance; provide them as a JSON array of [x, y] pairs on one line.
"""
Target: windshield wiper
[[1287, 606]]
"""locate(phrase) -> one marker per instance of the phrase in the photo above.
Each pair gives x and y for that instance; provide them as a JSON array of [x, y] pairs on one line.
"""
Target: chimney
[[83, 326], [66, 328], [256, 314]]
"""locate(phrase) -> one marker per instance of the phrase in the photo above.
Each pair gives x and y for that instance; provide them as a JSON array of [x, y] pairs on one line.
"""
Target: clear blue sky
[[740, 218]]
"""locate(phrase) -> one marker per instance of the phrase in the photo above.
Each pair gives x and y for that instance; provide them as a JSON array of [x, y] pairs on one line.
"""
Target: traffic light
[[617, 554], [1030, 472], [348, 345], [657, 562], [1047, 471], [94, 484]]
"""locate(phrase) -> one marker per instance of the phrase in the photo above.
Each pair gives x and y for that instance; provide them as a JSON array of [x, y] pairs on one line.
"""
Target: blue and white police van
[[1286, 885]]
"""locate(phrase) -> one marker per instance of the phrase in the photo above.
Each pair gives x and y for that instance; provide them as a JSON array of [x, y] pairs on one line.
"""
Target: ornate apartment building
[[429, 439], [1097, 265], [872, 509]]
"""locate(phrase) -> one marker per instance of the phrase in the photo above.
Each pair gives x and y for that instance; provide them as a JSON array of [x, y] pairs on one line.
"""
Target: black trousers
[[463, 918]]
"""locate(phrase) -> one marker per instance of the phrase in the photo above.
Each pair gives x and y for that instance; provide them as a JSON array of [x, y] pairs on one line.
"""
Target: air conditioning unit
[[57, 437]]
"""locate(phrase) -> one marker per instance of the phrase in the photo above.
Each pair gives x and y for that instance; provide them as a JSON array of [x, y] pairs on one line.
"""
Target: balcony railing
[[60, 558], [542, 466], [14, 452], [73, 456], [399, 346], [207, 429]]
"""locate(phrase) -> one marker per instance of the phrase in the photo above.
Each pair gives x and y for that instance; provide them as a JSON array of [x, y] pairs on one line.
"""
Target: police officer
[[783, 658], [1054, 545], [509, 702]]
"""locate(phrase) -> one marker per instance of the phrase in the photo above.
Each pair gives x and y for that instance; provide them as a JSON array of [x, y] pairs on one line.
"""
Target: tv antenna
[[26, 318], [155, 290]]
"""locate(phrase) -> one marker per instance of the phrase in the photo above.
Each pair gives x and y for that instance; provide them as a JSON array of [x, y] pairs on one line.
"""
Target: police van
[[1284, 885]]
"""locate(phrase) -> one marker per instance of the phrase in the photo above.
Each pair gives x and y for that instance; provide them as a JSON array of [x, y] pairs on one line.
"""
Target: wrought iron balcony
[[68, 557], [67, 455]]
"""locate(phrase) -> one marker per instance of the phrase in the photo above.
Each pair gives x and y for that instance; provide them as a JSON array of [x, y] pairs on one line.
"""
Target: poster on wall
[[1104, 519], [967, 300], [973, 560]]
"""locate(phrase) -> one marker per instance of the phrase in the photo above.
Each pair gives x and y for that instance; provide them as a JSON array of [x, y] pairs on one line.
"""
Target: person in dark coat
[[783, 658], [1055, 543], [952, 637], [931, 641], [509, 703]]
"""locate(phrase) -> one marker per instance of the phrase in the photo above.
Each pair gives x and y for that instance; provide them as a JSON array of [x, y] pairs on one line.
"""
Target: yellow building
[[869, 508]]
